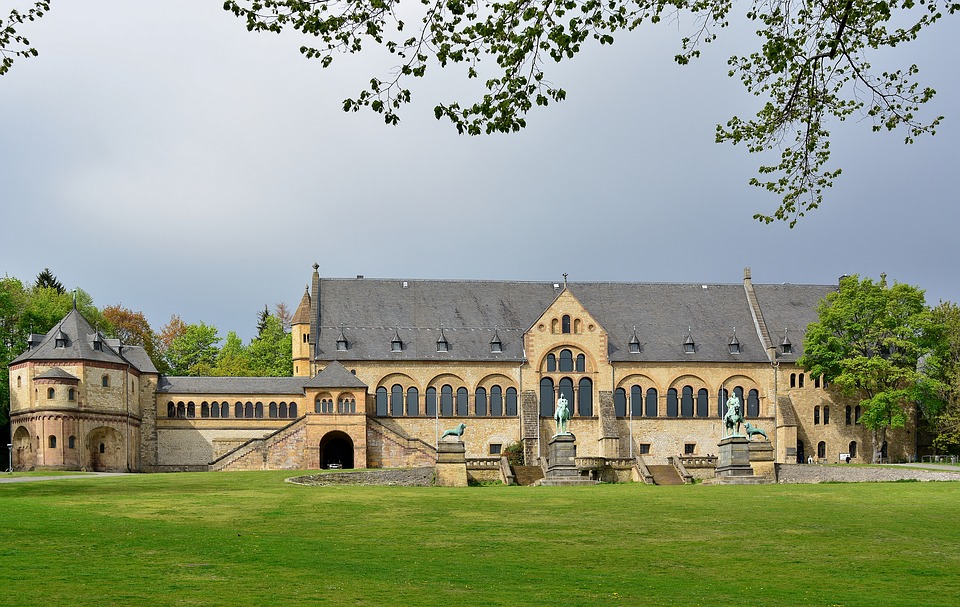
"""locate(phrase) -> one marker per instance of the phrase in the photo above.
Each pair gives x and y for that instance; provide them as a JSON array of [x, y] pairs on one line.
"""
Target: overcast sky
[[159, 156]]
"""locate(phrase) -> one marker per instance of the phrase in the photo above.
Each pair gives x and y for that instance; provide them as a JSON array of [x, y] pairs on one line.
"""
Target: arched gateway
[[336, 449]]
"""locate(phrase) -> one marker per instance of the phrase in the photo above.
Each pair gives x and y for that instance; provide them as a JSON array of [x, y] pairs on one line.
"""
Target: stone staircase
[[280, 450], [385, 437], [665, 475], [527, 475]]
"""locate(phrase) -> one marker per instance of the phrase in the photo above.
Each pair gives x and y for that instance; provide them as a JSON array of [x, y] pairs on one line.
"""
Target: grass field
[[252, 539]]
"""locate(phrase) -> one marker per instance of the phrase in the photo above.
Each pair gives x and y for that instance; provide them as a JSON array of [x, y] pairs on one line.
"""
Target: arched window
[[636, 401], [546, 397], [181, 410], [565, 323], [71, 394], [446, 401], [258, 410], [826, 414], [585, 397], [581, 363], [816, 415], [51, 393], [672, 402], [105, 381], [463, 402], [801, 456], [292, 410], [215, 409], [856, 414], [224, 409], [281, 410], [413, 402], [722, 397], [511, 402], [852, 449], [171, 409], [565, 389], [686, 402], [847, 415], [316, 406], [19, 382], [566, 361], [821, 450], [272, 412], [204, 409], [800, 381], [103, 448], [396, 400], [620, 402], [738, 392], [793, 380], [238, 410], [430, 402], [753, 403], [52, 441], [248, 410], [496, 401], [703, 403], [382, 401], [652, 404], [72, 442], [551, 363], [816, 382], [480, 400], [191, 409]]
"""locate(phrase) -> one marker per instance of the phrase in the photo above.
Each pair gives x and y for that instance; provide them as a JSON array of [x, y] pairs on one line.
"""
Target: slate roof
[[79, 336], [57, 373], [335, 375], [372, 311], [790, 307], [232, 385]]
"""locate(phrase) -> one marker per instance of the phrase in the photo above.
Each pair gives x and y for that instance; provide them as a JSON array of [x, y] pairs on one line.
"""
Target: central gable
[[566, 322]]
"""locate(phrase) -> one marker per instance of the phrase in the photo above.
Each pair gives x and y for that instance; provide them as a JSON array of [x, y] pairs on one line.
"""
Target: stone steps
[[665, 475], [527, 475]]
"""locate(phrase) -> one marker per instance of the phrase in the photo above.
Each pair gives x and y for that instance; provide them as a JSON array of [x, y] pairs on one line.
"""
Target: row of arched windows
[[52, 442], [682, 403], [822, 450], [344, 405], [796, 381], [580, 401], [567, 363], [494, 402], [52, 393], [221, 410]]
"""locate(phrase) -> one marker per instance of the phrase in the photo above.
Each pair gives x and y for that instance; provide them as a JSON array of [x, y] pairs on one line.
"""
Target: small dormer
[[734, 345], [785, 346], [634, 345], [396, 344], [496, 346], [442, 344], [342, 344], [97, 342], [61, 339], [689, 346]]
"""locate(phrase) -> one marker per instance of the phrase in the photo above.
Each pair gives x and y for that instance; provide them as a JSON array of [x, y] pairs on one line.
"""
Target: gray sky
[[159, 156]]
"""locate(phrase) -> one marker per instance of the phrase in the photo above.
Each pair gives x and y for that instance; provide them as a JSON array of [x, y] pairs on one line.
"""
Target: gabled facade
[[382, 367]]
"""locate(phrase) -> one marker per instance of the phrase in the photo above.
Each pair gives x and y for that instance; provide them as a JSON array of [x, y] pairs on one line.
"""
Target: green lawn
[[251, 539]]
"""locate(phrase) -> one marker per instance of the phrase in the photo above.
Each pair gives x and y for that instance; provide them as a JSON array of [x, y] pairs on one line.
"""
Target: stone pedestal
[[733, 458], [562, 462], [451, 465]]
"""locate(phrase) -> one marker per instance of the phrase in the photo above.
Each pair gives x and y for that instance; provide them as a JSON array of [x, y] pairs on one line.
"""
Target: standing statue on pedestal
[[733, 418], [562, 416]]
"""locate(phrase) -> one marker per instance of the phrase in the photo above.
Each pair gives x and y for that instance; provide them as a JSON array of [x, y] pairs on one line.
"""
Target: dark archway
[[24, 457], [336, 449]]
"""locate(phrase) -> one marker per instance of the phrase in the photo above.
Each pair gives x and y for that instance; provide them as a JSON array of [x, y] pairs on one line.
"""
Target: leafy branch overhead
[[812, 65]]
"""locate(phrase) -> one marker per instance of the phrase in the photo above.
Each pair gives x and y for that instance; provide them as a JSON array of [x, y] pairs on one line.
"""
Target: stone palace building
[[383, 366]]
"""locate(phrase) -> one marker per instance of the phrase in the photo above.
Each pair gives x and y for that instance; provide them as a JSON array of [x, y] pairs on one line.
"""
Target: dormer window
[[396, 344], [97, 344], [689, 346], [785, 346], [734, 345], [442, 344], [496, 346], [60, 339], [634, 344], [342, 343]]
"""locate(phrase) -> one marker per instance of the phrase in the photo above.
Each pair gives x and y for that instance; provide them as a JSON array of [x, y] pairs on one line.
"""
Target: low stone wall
[[807, 473], [411, 477]]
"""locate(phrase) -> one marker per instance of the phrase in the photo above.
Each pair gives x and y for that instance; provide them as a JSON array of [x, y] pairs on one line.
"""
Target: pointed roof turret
[[302, 315]]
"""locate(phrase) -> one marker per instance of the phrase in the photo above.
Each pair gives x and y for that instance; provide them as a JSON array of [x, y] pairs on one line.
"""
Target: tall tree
[[134, 329], [281, 311], [270, 352], [46, 279], [945, 366], [233, 360], [193, 351], [867, 343]]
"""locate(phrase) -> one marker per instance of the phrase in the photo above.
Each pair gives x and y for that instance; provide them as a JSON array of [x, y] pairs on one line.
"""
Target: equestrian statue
[[562, 416]]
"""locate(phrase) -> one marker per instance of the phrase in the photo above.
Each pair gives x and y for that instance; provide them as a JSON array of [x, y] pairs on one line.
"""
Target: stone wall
[[805, 473]]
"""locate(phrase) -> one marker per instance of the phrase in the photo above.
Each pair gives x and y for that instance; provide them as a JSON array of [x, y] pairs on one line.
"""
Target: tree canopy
[[945, 366], [868, 342], [811, 67]]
